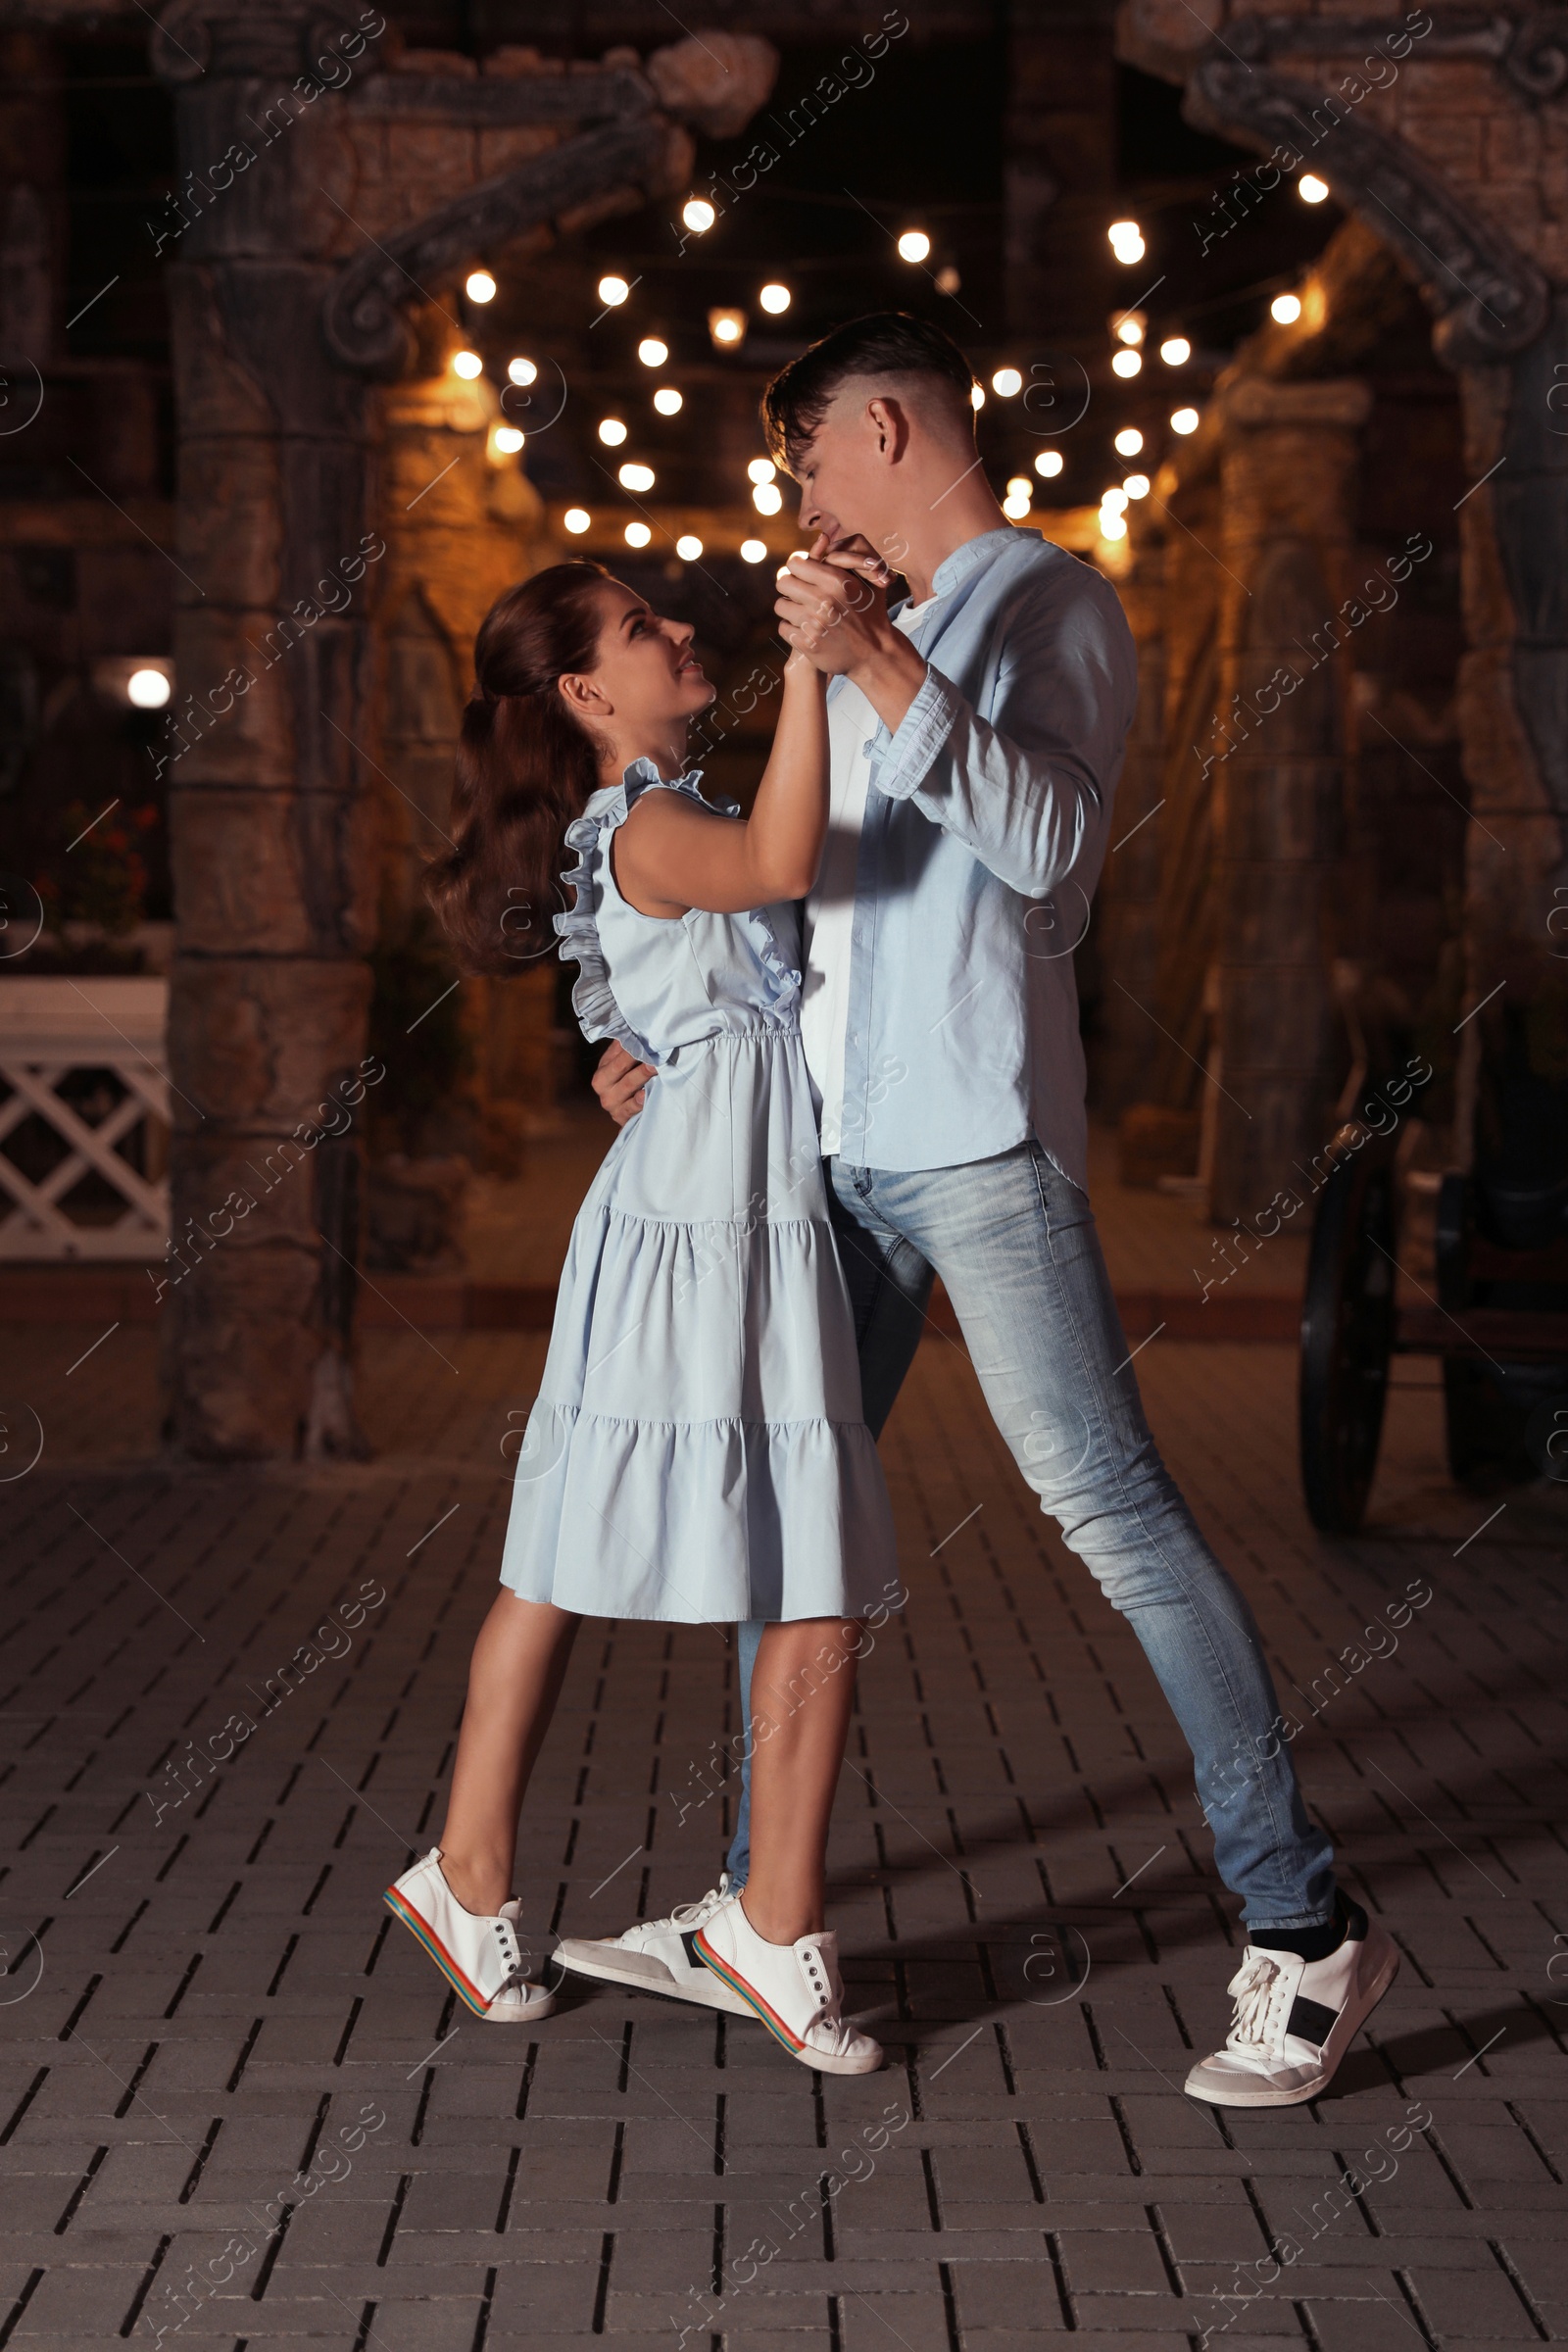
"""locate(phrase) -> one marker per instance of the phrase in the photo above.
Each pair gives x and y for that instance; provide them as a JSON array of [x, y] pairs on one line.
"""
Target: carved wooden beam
[[1491, 299], [1528, 46]]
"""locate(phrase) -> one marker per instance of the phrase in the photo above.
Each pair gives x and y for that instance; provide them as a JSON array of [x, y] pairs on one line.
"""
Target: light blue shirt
[[984, 833]]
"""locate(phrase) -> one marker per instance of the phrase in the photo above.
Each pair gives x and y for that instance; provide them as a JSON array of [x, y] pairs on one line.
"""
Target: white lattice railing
[[55, 1030]]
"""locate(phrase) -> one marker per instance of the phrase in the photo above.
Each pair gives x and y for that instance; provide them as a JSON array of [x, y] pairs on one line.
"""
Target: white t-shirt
[[829, 921]]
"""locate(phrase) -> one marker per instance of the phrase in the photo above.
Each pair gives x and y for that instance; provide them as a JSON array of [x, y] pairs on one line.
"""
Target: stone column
[[274, 872], [1287, 477]]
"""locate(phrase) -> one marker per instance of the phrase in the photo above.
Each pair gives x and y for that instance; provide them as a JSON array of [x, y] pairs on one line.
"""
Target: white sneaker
[[795, 1988], [480, 1957], [659, 1955], [1295, 2019]]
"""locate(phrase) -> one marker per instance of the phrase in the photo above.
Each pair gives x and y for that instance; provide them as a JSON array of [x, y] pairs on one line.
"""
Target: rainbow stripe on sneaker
[[401, 1908], [750, 1995]]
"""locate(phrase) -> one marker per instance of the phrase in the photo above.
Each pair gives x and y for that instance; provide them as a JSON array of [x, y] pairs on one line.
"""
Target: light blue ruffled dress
[[696, 1451]]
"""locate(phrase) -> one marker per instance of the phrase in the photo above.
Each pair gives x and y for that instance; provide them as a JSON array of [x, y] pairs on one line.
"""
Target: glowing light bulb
[[1129, 441], [576, 519], [1184, 420], [1015, 506], [613, 291], [1175, 351], [687, 547], [913, 245], [1112, 526], [651, 352], [762, 469], [1126, 363], [977, 396], [727, 328], [668, 401], [508, 440], [775, 298], [1018, 485], [636, 477], [1284, 308], [1113, 501], [1006, 382], [1137, 485], [753, 551], [612, 431], [1049, 464], [638, 534], [468, 365], [699, 216], [523, 371], [480, 286], [147, 689], [1310, 188], [1129, 327], [767, 497], [1126, 240]]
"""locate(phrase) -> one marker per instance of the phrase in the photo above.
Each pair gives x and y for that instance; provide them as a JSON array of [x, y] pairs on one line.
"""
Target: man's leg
[[1015, 1246], [889, 1284]]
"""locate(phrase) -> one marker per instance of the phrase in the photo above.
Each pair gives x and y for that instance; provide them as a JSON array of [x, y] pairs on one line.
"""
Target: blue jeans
[[1015, 1244]]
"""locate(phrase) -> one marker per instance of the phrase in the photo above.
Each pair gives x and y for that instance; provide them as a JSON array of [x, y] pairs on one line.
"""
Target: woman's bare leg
[[802, 1687], [515, 1677]]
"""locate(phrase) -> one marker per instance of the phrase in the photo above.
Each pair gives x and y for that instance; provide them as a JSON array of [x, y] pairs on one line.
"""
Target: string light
[[687, 547], [1049, 464], [1310, 188], [651, 352], [480, 286], [1126, 363], [506, 439], [638, 534], [612, 431], [1113, 525], [147, 689], [767, 497], [1184, 420], [977, 396], [523, 371], [774, 299], [762, 469], [1137, 485], [468, 365], [576, 519], [753, 551], [914, 245], [1129, 441], [1175, 351], [727, 328], [1129, 327], [699, 216], [668, 401], [1015, 506], [613, 291], [1126, 240], [1006, 382], [1284, 308], [636, 477], [1113, 501]]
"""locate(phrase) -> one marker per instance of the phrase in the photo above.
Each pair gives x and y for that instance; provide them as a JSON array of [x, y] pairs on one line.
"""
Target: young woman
[[697, 1450]]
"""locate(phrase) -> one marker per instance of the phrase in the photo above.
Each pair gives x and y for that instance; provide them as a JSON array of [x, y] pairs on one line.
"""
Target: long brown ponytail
[[525, 769]]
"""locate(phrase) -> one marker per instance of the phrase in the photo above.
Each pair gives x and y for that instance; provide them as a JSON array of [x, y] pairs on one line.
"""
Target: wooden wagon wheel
[[1348, 1338]]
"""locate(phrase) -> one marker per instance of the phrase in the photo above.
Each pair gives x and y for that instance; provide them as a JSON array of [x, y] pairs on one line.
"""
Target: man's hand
[[832, 607], [618, 1082]]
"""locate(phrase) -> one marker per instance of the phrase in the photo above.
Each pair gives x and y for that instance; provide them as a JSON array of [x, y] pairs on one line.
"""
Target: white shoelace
[[1256, 1987]]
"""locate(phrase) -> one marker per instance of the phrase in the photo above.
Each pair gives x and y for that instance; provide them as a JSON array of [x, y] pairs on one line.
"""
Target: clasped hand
[[832, 604]]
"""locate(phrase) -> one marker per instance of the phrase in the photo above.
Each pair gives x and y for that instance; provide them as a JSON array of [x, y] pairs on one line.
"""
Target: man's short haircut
[[887, 343]]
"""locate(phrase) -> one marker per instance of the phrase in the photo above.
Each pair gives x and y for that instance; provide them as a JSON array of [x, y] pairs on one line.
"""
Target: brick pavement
[[220, 2060]]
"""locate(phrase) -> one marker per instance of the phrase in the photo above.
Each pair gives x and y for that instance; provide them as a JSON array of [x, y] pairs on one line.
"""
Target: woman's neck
[[668, 753]]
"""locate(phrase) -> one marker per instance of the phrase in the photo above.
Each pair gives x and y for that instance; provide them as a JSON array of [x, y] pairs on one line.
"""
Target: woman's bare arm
[[670, 857]]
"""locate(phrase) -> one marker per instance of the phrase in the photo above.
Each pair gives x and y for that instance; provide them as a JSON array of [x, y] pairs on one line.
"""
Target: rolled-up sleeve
[[1027, 790]]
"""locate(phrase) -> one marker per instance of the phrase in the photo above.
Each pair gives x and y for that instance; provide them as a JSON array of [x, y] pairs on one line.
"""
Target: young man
[[977, 735]]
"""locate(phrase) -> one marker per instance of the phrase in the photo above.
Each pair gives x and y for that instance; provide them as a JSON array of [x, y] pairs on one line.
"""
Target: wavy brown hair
[[525, 768]]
